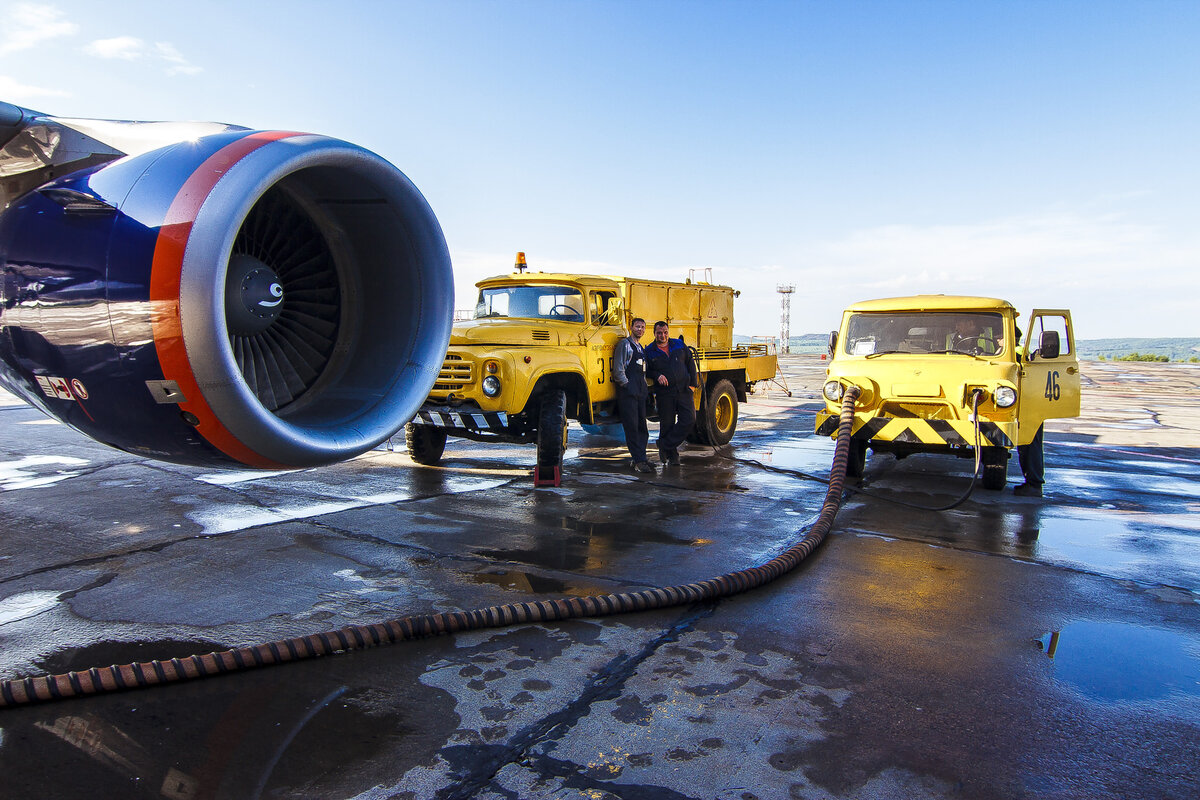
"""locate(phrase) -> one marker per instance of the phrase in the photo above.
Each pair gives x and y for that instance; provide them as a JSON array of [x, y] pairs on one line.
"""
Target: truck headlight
[[1004, 396], [491, 386], [834, 391]]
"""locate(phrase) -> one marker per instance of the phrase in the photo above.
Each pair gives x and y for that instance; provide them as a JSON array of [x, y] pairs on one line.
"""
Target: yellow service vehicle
[[539, 350], [945, 374]]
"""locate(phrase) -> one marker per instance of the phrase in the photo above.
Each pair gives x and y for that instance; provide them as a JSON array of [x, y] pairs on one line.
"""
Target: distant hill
[[1174, 349], [1089, 349], [805, 343]]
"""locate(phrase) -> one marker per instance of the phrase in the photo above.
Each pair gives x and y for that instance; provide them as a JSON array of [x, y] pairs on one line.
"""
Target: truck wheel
[[551, 434], [425, 443], [995, 467], [720, 417], [856, 464]]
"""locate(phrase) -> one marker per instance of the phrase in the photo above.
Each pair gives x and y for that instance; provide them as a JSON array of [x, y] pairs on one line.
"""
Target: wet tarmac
[[1010, 648]]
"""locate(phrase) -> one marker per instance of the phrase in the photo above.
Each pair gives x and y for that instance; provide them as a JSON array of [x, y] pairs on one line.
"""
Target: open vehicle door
[[1050, 371]]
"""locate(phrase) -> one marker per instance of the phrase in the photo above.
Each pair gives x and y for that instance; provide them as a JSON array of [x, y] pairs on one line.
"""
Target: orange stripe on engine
[[165, 273]]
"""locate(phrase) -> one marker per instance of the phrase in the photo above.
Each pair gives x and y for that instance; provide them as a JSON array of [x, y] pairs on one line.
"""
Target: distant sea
[[1180, 349]]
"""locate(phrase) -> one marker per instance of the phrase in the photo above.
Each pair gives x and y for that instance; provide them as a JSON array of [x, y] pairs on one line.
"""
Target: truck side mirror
[[832, 342], [1049, 347]]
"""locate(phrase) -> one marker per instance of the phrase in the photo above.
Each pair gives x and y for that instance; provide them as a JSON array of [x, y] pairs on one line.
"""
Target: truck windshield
[[532, 302], [973, 333]]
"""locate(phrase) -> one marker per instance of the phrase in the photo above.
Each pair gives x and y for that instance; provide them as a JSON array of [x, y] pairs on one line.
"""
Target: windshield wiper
[[957, 353], [888, 353]]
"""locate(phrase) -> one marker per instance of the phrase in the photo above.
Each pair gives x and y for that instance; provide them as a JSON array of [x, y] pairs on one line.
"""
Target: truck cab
[[950, 374], [532, 333]]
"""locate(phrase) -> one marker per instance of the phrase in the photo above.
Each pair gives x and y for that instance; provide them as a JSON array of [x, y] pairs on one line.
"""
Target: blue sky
[[1043, 152]]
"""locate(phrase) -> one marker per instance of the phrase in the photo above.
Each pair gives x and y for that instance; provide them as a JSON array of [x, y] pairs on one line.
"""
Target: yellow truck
[[940, 374], [539, 351]]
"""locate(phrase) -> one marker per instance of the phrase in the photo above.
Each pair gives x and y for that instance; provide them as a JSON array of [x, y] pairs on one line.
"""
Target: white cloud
[[14, 91], [125, 48], [179, 65], [1119, 277], [131, 48], [28, 25]]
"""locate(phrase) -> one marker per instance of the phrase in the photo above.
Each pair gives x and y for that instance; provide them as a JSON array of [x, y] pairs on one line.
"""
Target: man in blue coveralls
[[670, 366]]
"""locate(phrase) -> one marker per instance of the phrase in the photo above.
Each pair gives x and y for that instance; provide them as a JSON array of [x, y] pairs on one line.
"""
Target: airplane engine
[[261, 298]]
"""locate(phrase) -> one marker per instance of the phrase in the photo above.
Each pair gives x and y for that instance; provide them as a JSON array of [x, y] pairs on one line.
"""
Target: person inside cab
[[971, 338]]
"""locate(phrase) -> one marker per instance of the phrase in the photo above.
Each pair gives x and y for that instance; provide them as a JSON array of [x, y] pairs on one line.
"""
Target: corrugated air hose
[[23, 691], [976, 397]]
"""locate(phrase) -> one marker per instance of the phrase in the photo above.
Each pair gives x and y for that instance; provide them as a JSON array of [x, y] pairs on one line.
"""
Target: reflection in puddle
[[1160, 548], [1101, 542], [217, 517], [525, 582], [1111, 484], [28, 604], [23, 473], [257, 734], [101, 653], [1119, 661]]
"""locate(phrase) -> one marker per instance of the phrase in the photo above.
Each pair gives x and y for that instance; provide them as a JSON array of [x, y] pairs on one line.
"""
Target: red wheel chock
[[547, 476]]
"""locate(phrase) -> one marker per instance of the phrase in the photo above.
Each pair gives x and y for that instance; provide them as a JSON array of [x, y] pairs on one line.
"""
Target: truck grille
[[918, 410], [541, 336], [455, 374]]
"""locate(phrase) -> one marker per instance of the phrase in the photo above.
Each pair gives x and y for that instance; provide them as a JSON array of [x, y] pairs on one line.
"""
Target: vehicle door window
[[604, 310], [1048, 322]]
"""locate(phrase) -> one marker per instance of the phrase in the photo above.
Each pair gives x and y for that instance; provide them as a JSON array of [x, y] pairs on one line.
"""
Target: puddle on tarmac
[[254, 735], [24, 473], [593, 544], [104, 653], [1152, 548], [1099, 541], [1115, 661], [28, 604], [806, 454], [526, 582], [1094, 484]]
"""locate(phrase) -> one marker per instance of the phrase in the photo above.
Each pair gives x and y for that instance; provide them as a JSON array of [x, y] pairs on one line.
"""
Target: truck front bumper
[[465, 418], [916, 432]]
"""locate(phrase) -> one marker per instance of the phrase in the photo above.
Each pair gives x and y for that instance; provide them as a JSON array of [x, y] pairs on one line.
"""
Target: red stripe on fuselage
[[164, 292]]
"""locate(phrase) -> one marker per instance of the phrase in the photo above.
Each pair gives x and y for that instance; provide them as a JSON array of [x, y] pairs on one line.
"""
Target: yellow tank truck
[[931, 367], [539, 350]]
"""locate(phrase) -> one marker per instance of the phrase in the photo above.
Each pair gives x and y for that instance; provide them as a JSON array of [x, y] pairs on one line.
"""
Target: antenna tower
[[785, 316]]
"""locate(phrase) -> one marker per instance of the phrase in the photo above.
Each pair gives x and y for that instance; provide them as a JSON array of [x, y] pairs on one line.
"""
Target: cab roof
[[933, 302], [589, 281], [549, 278]]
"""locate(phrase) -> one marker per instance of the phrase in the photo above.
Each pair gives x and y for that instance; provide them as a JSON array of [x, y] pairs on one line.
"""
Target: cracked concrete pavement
[[1010, 648]]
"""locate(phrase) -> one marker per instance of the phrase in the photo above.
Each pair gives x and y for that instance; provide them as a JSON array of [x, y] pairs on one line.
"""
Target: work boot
[[672, 458], [643, 466], [1028, 490]]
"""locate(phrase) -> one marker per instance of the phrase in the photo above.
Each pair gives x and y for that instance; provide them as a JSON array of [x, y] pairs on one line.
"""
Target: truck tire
[[551, 434], [995, 468], [425, 443], [856, 464], [716, 424]]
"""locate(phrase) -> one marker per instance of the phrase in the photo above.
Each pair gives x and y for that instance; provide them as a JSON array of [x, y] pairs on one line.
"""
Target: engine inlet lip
[[330, 427]]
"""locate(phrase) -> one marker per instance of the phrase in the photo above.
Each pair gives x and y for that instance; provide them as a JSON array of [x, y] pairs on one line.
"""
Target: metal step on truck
[[539, 351]]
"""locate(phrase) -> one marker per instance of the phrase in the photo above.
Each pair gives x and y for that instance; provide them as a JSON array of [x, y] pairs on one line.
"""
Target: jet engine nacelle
[[264, 298]]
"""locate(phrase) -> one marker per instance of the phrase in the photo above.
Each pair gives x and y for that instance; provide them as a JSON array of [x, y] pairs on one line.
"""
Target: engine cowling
[[264, 298]]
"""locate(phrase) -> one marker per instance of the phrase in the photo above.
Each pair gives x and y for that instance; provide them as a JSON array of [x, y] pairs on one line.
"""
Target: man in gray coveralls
[[629, 374]]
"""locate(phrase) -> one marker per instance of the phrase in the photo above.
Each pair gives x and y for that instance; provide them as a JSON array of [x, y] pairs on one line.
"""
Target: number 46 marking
[[1052, 390]]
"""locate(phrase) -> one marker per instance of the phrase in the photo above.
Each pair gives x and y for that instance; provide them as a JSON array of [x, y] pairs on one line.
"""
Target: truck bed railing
[[742, 351]]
